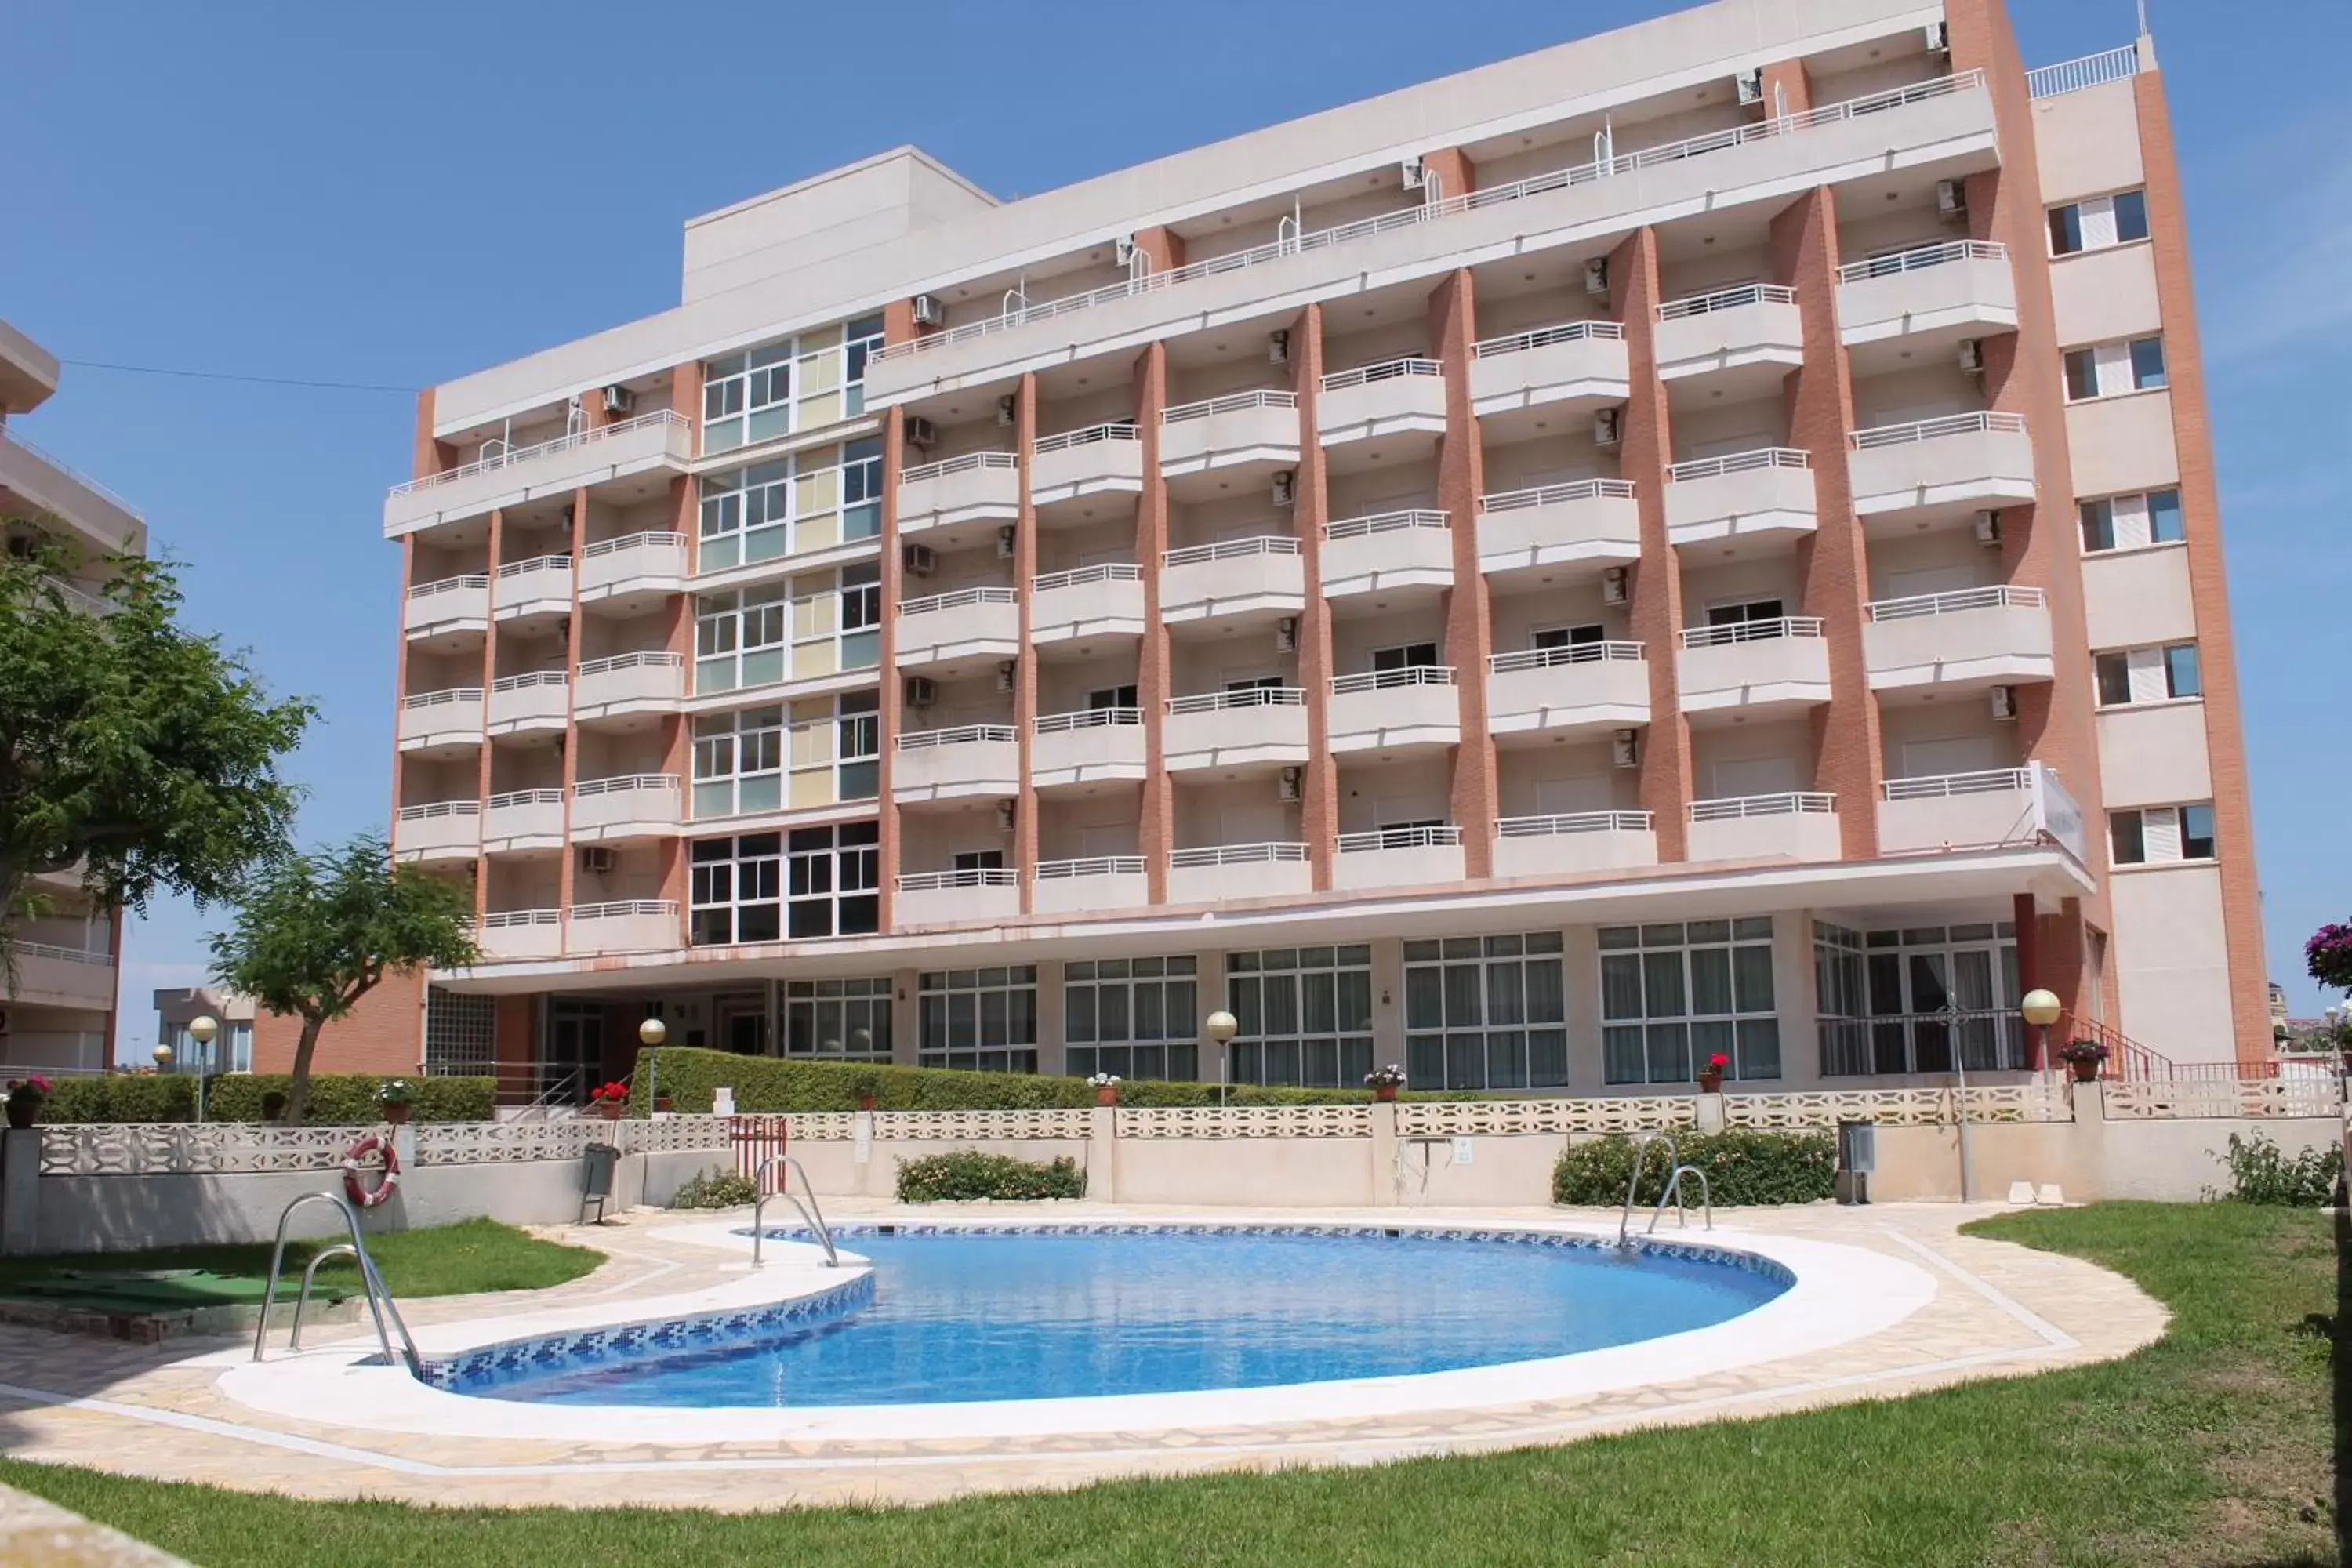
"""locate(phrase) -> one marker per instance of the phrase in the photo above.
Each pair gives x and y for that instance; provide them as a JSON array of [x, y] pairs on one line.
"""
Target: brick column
[[489, 675], [1024, 672], [1310, 507], [1655, 611], [1164, 246], [1788, 90], [566, 866], [1156, 826], [1456, 176], [686, 400], [1835, 570], [428, 455], [894, 438], [678, 749], [1461, 478]]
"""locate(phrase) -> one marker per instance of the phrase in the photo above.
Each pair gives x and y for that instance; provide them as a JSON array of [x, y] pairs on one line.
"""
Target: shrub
[[1742, 1166], [2262, 1173], [967, 1173], [336, 1099], [715, 1189]]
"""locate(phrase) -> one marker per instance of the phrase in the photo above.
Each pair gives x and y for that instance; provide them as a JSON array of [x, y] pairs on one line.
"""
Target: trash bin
[[1857, 1157], [600, 1162]]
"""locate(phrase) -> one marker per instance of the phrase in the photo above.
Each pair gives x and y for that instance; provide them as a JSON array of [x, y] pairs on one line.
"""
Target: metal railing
[[510, 456], [525, 682], [1245, 697], [1920, 256], [958, 600], [1937, 786], [1231, 550], [1973, 1039], [440, 808], [955, 735], [1087, 718], [1070, 439], [1237, 854], [1788, 803], [1107, 571], [1934, 429], [624, 784], [1565, 653], [1566, 823], [1090, 866], [1384, 522], [1730, 298], [535, 563], [1232, 403], [443, 698], [811, 1213], [1393, 680], [1752, 631], [9, 434], [1738, 463], [968, 463], [1438, 837], [513, 920], [479, 582], [651, 658], [372, 1286], [2090, 70], [1387, 370], [978, 876], [509, 799], [651, 539], [623, 909], [1557, 495], [1544, 337], [1956, 601], [68, 955]]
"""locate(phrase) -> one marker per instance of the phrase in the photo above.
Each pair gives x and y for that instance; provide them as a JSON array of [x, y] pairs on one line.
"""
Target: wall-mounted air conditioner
[[1971, 355], [1004, 536], [1952, 198], [1285, 635], [1292, 784], [1613, 585], [1005, 410], [1413, 173], [1004, 810], [595, 860], [929, 312], [619, 399], [1596, 276], [1988, 529], [921, 691], [1285, 487], [1607, 426], [1624, 749], [1006, 669], [1277, 347], [1751, 86], [918, 560], [2004, 702], [921, 431]]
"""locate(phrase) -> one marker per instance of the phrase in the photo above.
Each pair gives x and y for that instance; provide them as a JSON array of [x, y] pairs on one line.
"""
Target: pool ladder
[[1676, 1171], [379, 1297], [811, 1213]]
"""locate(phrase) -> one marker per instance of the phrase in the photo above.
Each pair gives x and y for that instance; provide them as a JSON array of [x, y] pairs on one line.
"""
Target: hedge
[[967, 1175], [1742, 1166], [336, 1099]]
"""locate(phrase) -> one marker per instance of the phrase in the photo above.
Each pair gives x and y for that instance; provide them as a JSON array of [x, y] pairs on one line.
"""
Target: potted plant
[[26, 1096], [2083, 1058], [610, 1100], [867, 1084], [1710, 1077], [1106, 1088], [1384, 1082], [661, 1102], [396, 1099]]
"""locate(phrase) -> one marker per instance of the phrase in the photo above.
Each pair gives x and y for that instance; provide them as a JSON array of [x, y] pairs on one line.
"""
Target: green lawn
[[438, 1261], [2213, 1446]]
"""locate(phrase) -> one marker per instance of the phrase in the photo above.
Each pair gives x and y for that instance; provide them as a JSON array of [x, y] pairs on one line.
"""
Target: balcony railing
[[1087, 718], [535, 563], [66, 955], [1247, 697], [979, 877], [1383, 523], [1442, 836], [526, 682], [624, 784], [969, 463], [652, 539], [1237, 854], [955, 735], [1405, 217], [1544, 337], [515, 797], [514, 920], [1955, 602], [1730, 298], [1567, 653], [1557, 495], [1752, 631], [1572, 822], [1232, 403], [475, 581], [1387, 370], [958, 600], [1934, 429], [2091, 71], [1090, 866], [1738, 463], [1940, 786], [1789, 803], [9, 434], [1922, 257], [1231, 550], [654, 659], [432, 811], [1069, 439], [1108, 571], [447, 697], [623, 909], [507, 457], [88, 604], [1390, 679]]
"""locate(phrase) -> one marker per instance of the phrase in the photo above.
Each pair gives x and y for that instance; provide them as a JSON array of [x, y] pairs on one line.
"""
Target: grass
[[2211, 1446], [437, 1260]]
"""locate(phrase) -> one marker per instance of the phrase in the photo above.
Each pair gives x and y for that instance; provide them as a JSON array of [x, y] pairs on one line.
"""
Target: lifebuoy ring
[[361, 1196]]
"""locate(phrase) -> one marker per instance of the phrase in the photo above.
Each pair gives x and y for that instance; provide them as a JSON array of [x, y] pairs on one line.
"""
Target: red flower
[[1717, 1062]]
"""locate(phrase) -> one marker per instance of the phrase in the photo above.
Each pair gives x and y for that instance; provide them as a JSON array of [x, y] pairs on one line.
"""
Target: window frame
[[938, 1027], [1268, 986], [1171, 985], [1447, 1052], [1741, 1033], [806, 1003]]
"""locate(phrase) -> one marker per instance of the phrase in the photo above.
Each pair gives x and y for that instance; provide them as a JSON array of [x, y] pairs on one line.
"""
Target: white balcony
[[1398, 858], [438, 830], [964, 763], [1752, 670], [1256, 727], [1954, 466], [1574, 844], [1097, 746], [662, 441], [626, 925], [1076, 466], [977, 487], [1224, 873], [448, 612], [634, 573], [969, 627], [60, 976], [1105, 601], [1958, 811], [1741, 339], [523, 819], [1764, 497], [1795, 825], [1091, 886], [1581, 688], [1929, 297], [35, 483], [956, 898], [1394, 709], [1261, 578], [1241, 437], [1388, 553], [441, 721], [538, 589], [625, 806], [1590, 525], [1565, 369], [511, 934], [629, 687], [1387, 413], [1973, 638], [535, 703]]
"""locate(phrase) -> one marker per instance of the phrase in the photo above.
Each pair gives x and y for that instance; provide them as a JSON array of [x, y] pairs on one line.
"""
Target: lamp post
[[2041, 1008], [204, 1028], [650, 1035], [162, 1058], [1221, 1027]]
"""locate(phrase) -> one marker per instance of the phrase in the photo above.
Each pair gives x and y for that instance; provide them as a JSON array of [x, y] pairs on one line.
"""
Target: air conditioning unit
[[2004, 702], [1988, 529], [1750, 85], [918, 560], [1937, 37], [1951, 198], [1413, 173], [1004, 542], [1122, 249], [1004, 810], [1971, 355], [1624, 749], [1285, 487], [921, 431], [1606, 425], [1006, 668], [921, 691], [1285, 635], [1277, 347], [1006, 409], [595, 860], [1596, 277], [1614, 589], [1292, 784], [619, 399], [929, 312]]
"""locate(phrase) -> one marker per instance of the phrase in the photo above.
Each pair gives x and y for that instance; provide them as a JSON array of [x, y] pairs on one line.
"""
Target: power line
[[227, 376]]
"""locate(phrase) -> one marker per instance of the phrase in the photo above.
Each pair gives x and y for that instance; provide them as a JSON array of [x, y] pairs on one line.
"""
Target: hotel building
[[1700, 539]]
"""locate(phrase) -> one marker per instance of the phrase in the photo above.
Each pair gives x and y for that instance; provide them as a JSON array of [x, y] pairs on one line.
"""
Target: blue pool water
[[957, 1316]]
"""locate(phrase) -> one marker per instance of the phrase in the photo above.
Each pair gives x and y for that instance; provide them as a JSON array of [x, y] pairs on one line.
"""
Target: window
[[863, 337], [2158, 834], [738, 638], [857, 745], [1134, 1017], [2100, 222], [839, 1020], [799, 383], [980, 1019], [833, 877], [2197, 833], [811, 500], [737, 888], [1305, 1015], [2181, 676], [1674, 996], [2114, 671], [1754, 617], [861, 485], [978, 861], [1485, 1012], [739, 761], [828, 750], [861, 616], [2129, 523], [2148, 675], [2147, 364], [1569, 636], [1406, 656], [746, 516], [2164, 526], [2111, 370], [1897, 1001], [1110, 697]]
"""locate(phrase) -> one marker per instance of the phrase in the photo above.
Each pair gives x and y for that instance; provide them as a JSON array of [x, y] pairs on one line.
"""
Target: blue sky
[[394, 195]]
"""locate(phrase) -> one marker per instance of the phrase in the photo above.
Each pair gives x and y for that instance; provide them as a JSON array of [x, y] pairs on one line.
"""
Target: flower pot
[[1107, 1094], [661, 1103], [23, 1108], [1710, 1083], [1384, 1092], [396, 1112], [2083, 1072], [610, 1110], [865, 1103]]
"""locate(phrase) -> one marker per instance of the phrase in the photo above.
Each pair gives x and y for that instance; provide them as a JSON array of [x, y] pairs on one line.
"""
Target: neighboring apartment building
[[1700, 539], [232, 1047], [58, 1012]]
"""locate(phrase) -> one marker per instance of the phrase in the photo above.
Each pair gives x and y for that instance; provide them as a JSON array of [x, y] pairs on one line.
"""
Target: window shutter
[[2099, 223], [2130, 521], [2113, 361], [2147, 682]]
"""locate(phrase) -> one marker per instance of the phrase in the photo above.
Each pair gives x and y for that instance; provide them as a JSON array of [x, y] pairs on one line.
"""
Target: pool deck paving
[[1997, 1309]]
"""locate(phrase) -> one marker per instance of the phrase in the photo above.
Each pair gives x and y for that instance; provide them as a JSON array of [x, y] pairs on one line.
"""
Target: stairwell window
[[2161, 835], [2130, 523], [2113, 370], [2141, 675], [2098, 222]]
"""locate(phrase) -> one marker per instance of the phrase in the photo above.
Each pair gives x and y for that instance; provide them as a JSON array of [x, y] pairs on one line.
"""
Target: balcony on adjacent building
[[523, 819], [1093, 601], [56, 975], [1076, 466], [1090, 885], [1574, 843], [962, 763], [1574, 689], [504, 476], [1244, 436], [630, 686], [1776, 667], [1260, 578], [1565, 369], [537, 590], [1968, 638], [1388, 553], [1927, 298], [977, 487], [1224, 873], [1764, 498], [38, 484], [1384, 413], [438, 830], [448, 612], [1742, 340], [1094, 745], [956, 898], [1254, 727], [626, 925], [1798, 824], [532, 703], [633, 574], [966, 628], [1586, 524], [1953, 465], [505, 935], [1394, 709], [625, 806], [1398, 858], [441, 721]]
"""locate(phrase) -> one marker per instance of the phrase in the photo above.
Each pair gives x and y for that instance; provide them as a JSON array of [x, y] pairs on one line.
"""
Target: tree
[[315, 932], [138, 752]]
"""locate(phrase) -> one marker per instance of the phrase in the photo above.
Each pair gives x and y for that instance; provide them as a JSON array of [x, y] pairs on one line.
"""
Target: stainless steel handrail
[[811, 1212], [372, 1285], [340, 1249]]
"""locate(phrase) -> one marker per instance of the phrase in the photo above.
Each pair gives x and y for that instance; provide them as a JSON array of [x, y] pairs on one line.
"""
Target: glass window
[[2098, 519], [857, 745], [861, 489], [2164, 517], [862, 337], [738, 638], [2066, 229], [1135, 1018], [2197, 833], [2131, 216], [737, 888], [1305, 1015], [834, 877], [2181, 676], [739, 761], [2126, 838], [838, 1020], [861, 616], [2082, 374], [1896, 1001], [1674, 996], [2147, 364], [746, 516], [980, 1019], [2114, 670], [1485, 1012]]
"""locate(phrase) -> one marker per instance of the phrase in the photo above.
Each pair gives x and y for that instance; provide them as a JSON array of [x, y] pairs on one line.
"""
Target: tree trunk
[[298, 1092]]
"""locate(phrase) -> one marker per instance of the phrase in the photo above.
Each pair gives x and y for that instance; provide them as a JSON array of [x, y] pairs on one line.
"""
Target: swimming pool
[[958, 1315]]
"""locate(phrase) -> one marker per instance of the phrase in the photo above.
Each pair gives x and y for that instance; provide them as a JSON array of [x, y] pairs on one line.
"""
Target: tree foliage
[[315, 932]]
